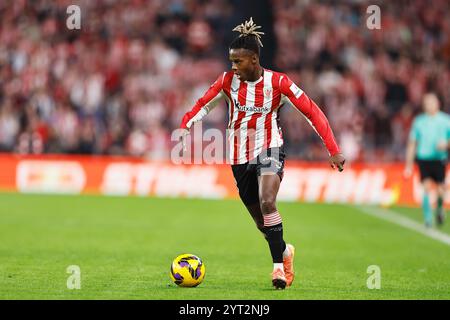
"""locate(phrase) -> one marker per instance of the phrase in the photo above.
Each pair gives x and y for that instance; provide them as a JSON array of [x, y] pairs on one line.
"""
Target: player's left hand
[[407, 172], [442, 145], [337, 161]]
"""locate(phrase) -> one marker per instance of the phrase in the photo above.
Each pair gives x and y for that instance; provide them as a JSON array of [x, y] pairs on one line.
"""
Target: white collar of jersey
[[256, 81]]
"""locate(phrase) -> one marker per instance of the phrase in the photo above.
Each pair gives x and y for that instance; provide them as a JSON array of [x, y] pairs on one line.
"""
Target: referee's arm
[[410, 153], [411, 149]]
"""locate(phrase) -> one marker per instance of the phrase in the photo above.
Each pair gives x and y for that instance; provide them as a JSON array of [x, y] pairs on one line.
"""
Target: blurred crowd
[[369, 82], [121, 83]]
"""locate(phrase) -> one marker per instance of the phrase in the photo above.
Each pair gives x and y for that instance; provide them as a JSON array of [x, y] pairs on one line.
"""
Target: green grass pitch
[[124, 247]]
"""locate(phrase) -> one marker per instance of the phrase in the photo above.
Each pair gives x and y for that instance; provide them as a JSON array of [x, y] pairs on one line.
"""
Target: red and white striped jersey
[[253, 112]]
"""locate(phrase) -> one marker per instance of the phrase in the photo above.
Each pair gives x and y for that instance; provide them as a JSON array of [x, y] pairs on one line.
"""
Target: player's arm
[[316, 118], [446, 144], [411, 150], [202, 107]]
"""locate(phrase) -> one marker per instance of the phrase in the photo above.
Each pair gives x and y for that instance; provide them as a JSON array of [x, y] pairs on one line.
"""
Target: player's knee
[[268, 205], [427, 188], [441, 189], [427, 185]]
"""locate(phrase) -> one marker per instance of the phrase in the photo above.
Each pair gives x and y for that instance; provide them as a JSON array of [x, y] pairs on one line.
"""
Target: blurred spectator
[[9, 126], [369, 82]]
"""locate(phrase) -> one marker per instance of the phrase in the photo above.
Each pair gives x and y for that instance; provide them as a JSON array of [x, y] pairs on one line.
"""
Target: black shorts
[[432, 169], [246, 175]]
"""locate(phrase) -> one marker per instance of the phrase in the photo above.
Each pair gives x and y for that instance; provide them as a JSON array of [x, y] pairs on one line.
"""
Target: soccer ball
[[187, 270]]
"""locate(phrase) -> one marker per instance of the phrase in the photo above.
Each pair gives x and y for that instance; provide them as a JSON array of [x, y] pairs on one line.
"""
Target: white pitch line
[[405, 222]]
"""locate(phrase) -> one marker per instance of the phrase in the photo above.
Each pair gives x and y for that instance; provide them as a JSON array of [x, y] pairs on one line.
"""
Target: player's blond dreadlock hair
[[249, 28], [249, 38]]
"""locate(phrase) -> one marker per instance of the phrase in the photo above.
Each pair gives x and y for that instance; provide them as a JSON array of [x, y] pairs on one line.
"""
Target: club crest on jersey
[[267, 92]]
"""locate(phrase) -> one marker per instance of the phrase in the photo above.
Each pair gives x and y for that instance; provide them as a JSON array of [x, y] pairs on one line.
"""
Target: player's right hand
[[184, 134]]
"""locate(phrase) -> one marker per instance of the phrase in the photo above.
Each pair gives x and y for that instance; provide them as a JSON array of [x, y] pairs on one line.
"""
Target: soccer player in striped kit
[[254, 96]]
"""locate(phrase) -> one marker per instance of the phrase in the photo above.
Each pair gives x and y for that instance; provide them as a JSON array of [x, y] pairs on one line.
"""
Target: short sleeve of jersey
[[448, 127], [414, 132]]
